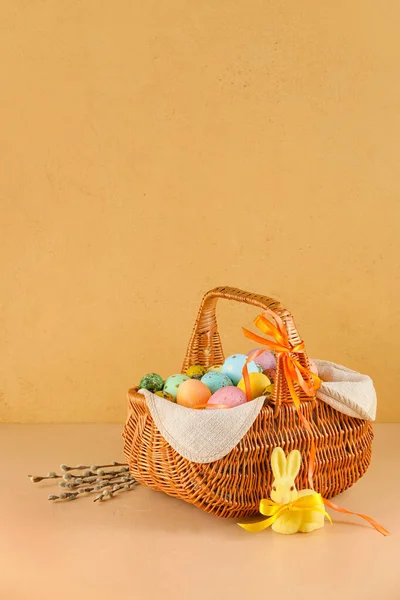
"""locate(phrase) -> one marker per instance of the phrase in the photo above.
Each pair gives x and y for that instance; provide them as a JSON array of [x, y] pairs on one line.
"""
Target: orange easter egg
[[192, 393]]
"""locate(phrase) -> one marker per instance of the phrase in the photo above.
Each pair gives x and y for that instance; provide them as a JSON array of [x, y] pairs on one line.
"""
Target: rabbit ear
[[278, 463], [293, 463]]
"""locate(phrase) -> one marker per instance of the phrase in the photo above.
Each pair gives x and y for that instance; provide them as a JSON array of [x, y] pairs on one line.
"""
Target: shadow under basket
[[234, 485]]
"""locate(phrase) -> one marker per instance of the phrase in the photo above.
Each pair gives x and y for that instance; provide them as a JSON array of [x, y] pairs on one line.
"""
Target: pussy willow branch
[[107, 490], [93, 479], [93, 467], [98, 481], [107, 494], [71, 480], [51, 475]]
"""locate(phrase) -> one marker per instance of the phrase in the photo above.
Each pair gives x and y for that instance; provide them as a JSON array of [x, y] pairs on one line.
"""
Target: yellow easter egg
[[166, 396], [215, 368], [270, 389], [196, 372], [259, 384]]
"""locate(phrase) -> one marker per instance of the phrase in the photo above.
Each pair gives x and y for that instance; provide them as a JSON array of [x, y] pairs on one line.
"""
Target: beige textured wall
[[152, 150]]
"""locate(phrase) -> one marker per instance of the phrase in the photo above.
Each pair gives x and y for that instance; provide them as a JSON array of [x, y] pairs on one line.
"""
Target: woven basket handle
[[205, 346]]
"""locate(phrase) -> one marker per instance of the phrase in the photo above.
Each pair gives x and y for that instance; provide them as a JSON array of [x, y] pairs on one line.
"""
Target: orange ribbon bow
[[293, 370]]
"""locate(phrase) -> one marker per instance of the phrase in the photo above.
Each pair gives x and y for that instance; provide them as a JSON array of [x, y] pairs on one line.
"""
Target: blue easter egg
[[215, 381], [233, 367]]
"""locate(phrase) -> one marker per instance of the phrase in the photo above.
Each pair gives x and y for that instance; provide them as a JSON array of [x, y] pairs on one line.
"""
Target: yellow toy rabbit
[[289, 510], [284, 492]]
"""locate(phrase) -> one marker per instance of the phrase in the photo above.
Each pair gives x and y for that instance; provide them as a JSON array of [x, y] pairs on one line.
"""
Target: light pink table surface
[[144, 545]]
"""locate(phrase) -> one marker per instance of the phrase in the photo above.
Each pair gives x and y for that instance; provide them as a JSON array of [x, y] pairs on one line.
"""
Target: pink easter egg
[[228, 396], [266, 360], [254, 350]]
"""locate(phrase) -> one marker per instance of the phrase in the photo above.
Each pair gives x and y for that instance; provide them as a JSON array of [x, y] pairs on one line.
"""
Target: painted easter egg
[[192, 393], [269, 390], [258, 384], [233, 367], [163, 394], [266, 360], [151, 382], [215, 381], [230, 396], [254, 350], [271, 374], [173, 382], [196, 372], [217, 368]]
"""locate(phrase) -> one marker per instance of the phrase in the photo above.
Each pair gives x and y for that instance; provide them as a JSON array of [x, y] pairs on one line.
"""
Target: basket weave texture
[[234, 485]]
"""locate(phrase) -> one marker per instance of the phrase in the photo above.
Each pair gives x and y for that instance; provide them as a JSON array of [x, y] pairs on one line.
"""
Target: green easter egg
[[151, 382]]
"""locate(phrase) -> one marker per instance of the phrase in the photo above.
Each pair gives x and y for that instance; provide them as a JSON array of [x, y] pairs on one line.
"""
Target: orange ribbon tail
[[374, 524]]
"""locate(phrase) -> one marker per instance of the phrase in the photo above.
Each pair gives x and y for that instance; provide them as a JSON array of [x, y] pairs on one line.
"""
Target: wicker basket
[[234, 485]]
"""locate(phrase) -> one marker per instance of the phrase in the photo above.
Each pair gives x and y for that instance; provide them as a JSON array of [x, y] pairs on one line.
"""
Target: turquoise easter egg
[[233, 367], [173, 382], [215, 381]]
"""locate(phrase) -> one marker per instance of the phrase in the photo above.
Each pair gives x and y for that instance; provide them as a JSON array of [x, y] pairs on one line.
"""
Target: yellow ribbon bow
[[273, 510]]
